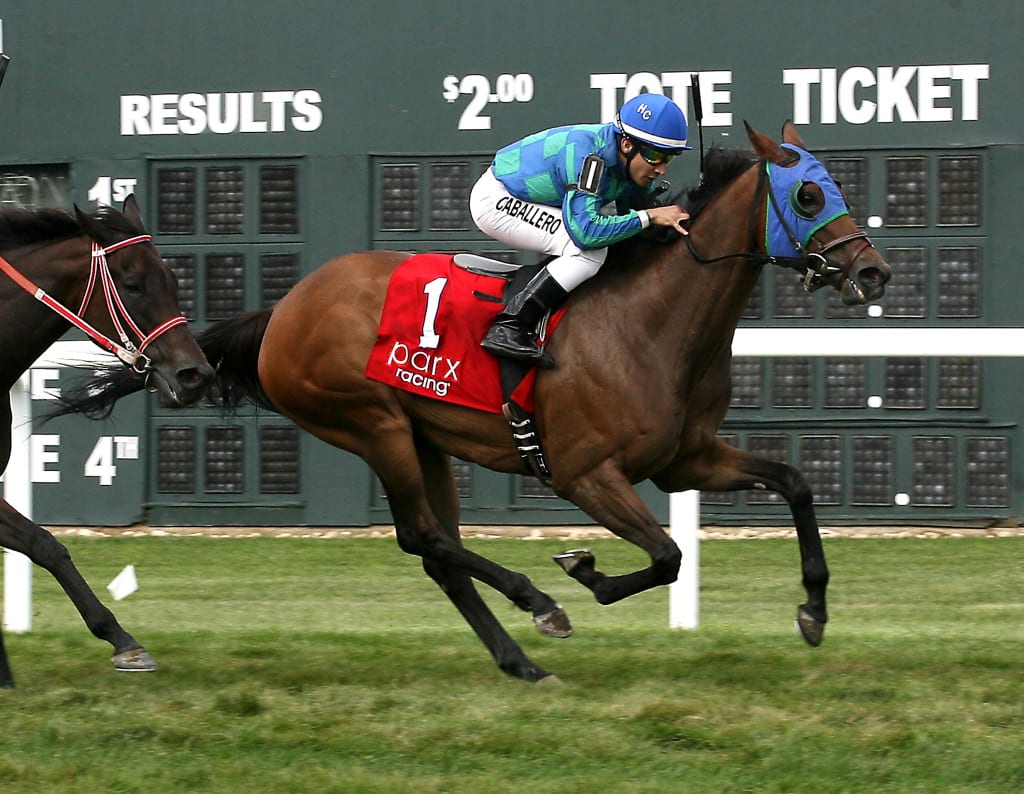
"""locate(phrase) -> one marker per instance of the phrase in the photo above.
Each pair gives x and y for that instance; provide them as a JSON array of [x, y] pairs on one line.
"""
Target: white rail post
[[684, 593], [18, 493]]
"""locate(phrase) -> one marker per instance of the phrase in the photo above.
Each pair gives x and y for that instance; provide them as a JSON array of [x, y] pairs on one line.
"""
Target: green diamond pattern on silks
[[541, 188], [554, 143], [506, 163]]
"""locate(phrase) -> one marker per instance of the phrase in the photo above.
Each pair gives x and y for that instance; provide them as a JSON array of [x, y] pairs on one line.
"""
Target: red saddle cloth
[[428, 343]]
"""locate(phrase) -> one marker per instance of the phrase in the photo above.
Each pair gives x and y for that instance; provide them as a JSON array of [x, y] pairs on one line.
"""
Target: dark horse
[[55, 270], [660, 314]]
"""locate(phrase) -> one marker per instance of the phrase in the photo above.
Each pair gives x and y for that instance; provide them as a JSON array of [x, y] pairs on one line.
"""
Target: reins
[[129, 353], [812, 265]]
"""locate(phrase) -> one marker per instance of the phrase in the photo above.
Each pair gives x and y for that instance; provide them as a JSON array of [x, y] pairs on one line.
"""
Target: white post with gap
[[17, 568]]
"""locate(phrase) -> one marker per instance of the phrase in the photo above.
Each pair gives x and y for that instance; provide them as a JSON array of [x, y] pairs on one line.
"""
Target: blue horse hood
[[783, 183]]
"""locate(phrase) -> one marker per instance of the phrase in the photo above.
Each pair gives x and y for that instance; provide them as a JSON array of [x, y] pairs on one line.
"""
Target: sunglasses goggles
[[654, 156]]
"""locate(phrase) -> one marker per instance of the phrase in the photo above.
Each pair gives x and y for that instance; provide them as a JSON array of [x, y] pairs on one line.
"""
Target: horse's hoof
[[550, 681], [134, 661], [572, 559], [554, 623], [810, 628]]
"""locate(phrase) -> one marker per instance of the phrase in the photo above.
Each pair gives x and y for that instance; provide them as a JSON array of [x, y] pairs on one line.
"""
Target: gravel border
[[574, 533]]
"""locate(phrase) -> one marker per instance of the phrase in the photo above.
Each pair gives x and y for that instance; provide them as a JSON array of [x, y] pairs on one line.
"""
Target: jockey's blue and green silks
[[783, 180], [541, 167]]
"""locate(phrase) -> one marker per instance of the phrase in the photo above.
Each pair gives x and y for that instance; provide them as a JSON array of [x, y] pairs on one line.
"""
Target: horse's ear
[[132, 213], [92, 227], [791, 136], [768, 149]]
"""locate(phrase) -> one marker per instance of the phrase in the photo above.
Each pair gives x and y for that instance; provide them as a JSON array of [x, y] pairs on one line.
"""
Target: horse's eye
[[806, 199], [132, 287]]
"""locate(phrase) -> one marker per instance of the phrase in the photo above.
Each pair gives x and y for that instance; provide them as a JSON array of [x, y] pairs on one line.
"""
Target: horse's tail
[[231, 346]]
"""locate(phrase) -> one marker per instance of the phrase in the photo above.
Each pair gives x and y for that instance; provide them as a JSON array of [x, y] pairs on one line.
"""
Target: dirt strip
[[538, 533]]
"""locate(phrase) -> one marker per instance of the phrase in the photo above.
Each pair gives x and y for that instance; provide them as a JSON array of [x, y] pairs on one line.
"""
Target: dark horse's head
[[807, 216], [170, 362]]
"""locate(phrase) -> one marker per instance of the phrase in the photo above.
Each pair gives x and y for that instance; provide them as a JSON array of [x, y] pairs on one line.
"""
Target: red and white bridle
[[127, 351]]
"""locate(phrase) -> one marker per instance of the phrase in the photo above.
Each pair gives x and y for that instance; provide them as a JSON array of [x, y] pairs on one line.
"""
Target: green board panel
[[90, 111]]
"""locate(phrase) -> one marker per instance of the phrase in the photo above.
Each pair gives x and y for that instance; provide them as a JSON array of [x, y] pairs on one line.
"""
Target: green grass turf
[[314, 665]]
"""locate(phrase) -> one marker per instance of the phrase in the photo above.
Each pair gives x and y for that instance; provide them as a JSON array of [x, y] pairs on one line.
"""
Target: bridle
[[131, 354], [814, 266]]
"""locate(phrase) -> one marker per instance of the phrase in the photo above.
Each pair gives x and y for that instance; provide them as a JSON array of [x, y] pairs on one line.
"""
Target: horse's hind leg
[[730, 469], [458, 586], [394, 458], [19, 534]]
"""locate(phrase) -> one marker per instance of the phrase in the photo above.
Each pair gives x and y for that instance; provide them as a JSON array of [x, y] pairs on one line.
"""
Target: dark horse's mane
[[722, 165], [19, 226]]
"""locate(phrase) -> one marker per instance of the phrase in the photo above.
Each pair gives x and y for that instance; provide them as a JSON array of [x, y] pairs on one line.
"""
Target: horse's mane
[[721, 166], [20, 226]]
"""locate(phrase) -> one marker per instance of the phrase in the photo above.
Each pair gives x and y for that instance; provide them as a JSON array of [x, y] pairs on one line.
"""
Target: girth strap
[[524, 434]]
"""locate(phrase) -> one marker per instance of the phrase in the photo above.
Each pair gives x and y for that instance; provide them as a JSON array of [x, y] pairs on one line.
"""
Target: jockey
[[545, 193]]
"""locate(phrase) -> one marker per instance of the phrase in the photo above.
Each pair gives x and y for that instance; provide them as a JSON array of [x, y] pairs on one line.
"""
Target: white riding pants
[[532, 227]]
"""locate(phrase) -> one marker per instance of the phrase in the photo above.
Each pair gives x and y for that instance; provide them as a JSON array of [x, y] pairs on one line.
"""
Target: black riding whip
[[698, 113]]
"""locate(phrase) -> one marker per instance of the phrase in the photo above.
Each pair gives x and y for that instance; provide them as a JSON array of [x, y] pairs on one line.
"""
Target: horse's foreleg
[[812, 615], [607, 496], [731, 469], [762, 473], [19, 534], [458, 586]]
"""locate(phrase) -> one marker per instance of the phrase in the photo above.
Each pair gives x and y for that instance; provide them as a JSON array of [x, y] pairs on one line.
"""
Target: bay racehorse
[[101, 273], [641, 386]]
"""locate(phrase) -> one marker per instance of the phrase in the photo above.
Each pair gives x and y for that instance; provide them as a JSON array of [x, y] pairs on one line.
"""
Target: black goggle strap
[[635, 150]]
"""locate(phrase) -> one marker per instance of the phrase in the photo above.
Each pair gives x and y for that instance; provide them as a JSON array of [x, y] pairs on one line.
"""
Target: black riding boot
[[514, 333]]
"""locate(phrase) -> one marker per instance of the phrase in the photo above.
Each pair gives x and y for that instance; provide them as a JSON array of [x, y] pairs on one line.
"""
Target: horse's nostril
[[194, 377], [873, 276]]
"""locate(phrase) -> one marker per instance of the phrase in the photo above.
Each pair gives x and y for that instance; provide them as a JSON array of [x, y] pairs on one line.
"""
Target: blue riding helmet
[[653, 119]]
